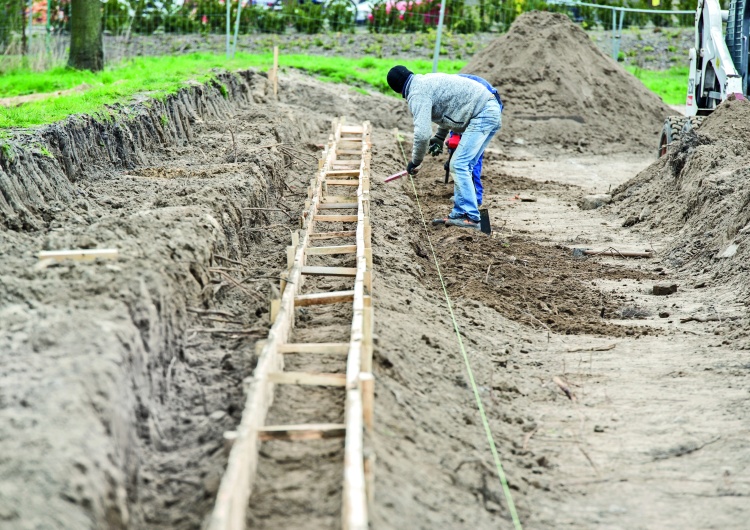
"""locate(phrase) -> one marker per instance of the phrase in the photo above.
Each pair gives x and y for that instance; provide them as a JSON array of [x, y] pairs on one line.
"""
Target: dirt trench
[[115, 395], [119, 378]]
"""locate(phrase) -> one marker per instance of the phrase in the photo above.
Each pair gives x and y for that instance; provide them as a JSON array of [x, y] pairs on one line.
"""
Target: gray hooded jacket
[[448, 100]]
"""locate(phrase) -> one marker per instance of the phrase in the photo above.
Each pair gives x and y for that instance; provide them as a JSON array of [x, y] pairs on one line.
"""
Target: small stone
[[700, 285], [630, 221], [665, 289], [86, 241], [592, 202], [663, 314], [211, 483], [519, 141], [598, 428], [217, 415], [645, 213], [729, 252]]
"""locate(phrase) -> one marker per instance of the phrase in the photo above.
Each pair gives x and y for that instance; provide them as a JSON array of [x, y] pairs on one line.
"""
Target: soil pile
[[560, 89], [699, 194]]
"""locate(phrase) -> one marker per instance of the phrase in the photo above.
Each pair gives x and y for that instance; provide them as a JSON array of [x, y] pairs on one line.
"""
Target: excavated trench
[[119, 378]]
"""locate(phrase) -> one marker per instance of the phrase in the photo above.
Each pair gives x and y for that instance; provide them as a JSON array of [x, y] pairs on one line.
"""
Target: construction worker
[[476, 174], [455, 103], [454, 138]]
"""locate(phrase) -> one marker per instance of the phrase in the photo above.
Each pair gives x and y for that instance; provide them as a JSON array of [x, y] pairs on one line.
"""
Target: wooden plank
[[343, 173], [337, 198], [350, 152], [337, 249], [312, 431], [350, 182], [352, 129], [79, 254], [329, 271], [333, 348], [619, 254], [230, 509], [308, 379], [368, 398], [333, 235], [336, 218], [354, 508], [332, 297], [338, 206]]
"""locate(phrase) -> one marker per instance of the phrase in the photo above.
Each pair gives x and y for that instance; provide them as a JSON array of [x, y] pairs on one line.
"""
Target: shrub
[[384, 18], [264, 20], [307, 17], [340, 15]]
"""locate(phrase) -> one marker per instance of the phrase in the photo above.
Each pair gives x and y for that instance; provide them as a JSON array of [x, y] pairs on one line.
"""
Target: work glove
[[436, 146], [412, 169]]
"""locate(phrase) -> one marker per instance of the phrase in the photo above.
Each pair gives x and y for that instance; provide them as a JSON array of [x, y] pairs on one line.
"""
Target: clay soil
[[119, 378]]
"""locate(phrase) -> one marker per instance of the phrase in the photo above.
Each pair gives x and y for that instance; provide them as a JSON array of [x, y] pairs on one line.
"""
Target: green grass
[[160, 76], [670, 84]]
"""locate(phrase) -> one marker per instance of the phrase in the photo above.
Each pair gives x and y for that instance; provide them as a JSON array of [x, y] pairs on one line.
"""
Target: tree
[[86, 48]]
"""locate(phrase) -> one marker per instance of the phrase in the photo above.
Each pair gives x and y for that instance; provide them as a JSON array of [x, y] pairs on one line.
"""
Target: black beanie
[[397, 77]]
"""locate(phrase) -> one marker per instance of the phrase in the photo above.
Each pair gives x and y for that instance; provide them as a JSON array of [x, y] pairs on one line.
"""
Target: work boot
[[440, 221], [463, 222]]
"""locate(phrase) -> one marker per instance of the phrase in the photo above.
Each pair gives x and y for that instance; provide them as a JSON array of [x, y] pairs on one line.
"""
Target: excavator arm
[[713, 75]]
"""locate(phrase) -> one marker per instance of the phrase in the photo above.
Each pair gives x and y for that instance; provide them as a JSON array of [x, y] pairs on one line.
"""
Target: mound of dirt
[[560, 89], [699, 195]]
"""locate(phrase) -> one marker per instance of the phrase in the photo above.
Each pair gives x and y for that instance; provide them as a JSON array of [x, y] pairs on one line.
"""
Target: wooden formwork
[[230, 510]]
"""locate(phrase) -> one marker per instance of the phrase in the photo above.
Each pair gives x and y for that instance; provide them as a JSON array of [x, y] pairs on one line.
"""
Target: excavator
[[718, 66]]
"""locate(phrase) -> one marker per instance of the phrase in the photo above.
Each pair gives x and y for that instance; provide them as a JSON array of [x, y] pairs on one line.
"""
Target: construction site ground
[[611, 407], [653, 436]]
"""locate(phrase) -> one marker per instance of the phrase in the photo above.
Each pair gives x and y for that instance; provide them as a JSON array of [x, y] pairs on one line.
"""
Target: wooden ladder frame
[[230, 510]]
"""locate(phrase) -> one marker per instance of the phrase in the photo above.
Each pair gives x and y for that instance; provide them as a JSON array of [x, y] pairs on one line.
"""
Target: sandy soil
[[113, 403]]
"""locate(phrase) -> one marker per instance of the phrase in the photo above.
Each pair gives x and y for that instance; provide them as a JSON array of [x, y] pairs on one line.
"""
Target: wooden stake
[[276, 71], [367, 382]]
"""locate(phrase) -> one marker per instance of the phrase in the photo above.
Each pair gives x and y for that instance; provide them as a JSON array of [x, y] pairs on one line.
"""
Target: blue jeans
[[476, 175], [474, 140]]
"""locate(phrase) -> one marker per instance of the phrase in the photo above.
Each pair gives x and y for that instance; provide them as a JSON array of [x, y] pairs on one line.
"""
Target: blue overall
[[476, 172]]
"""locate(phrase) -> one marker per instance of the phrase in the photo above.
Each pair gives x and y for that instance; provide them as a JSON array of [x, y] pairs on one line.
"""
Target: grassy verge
[[670, 84], [160, 76]]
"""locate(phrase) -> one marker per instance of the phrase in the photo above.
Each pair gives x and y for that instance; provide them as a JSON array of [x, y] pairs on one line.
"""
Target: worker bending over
[[455, 103]]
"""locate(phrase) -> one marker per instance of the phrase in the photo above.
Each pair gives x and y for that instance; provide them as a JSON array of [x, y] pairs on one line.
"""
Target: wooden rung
[[350, 182], [337, 218], [304, 378], [334, 249], [329, 271], [312, 431], [350, 129], [338, 348], [337, 206], [333, 297], [344, 173], [348, 152], [333, 235], [79, 255], [337, 198]]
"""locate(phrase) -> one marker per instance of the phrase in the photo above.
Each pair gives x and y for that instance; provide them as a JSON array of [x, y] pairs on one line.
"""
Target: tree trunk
[[86, 49]]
